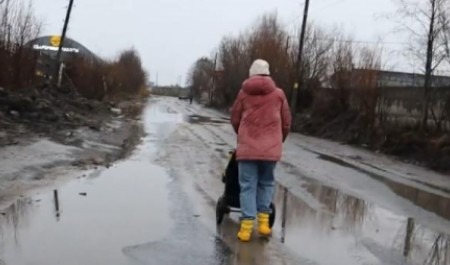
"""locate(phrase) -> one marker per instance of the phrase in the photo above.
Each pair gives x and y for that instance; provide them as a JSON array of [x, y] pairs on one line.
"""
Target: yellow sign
[[55, 41]]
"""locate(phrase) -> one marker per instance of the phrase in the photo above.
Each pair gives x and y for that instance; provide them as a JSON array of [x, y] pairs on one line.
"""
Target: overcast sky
[[171, 34]]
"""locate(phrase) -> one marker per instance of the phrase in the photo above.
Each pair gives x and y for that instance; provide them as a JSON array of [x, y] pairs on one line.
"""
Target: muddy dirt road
[[344, 206]]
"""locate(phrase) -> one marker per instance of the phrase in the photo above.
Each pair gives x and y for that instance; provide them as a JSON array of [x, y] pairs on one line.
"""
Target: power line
[[358, 41], [374, 42], [366, 41], [316, 9], [326, 6], [334, 3]]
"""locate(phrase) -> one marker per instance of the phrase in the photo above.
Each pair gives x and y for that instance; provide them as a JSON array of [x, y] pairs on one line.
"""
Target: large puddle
[[88, 221], [134, 213], [353, 231], [91, 220]]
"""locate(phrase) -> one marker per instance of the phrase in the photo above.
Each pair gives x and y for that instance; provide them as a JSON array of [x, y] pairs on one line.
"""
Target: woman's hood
[[259, 85]]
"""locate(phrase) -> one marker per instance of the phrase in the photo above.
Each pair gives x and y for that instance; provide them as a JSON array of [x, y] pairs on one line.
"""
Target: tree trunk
[[429, 66]]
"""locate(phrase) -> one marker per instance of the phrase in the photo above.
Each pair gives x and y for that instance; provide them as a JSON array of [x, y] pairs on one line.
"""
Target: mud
[[198, 119], [90, 220], [358, 212], [349, 228], [406, 143], [57, 154], [43, 111], [387, 181], [158, 206], [66, 118]]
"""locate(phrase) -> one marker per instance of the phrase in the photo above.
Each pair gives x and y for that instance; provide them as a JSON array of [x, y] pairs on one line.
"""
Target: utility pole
[[63, 37], [213, 86], [299, 60], [149, 77], [287, 44], [429, 64], [5, 22]]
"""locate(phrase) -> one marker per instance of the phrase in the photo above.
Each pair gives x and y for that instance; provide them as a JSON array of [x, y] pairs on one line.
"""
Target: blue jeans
[[257, 182]]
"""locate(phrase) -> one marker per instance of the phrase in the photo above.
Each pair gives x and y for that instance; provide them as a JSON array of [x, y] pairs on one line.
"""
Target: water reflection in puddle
[[88, 221], [349, 230], [203, 119]]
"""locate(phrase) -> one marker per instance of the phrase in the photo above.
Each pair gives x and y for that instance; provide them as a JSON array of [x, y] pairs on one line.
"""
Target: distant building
[[48, 45], [399, 79], [388, 78], [47, 48]]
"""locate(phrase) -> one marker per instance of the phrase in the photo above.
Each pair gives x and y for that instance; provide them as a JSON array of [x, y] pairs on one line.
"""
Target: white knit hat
[[259, 67]]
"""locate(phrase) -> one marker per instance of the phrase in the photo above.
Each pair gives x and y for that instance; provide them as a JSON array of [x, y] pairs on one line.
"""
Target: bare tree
[[18, 25], [109, 80], [315, 64], [342, 64], [233, 60], [268, 40], [316, 53], [426, 23], [199, 76]]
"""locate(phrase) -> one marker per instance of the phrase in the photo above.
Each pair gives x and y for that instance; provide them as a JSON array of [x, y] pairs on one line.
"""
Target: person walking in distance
[[262, 120]]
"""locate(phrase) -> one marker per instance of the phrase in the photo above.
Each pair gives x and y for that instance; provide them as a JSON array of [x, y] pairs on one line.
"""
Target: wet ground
[[342, 205]]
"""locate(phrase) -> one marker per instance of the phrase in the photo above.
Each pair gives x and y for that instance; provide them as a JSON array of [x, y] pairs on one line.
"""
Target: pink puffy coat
[[261, 118]]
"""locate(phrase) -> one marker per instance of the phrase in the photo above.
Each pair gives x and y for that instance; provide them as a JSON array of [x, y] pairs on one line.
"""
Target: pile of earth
[[431, 150], [46, 111]]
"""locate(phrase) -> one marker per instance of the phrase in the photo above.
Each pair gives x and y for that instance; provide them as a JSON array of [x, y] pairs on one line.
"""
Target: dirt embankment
[[48, 137], [102, 131], [409, 144]]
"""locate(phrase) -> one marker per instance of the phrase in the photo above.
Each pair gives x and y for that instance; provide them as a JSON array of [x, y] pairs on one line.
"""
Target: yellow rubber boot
[[245, 232], [263, 224]]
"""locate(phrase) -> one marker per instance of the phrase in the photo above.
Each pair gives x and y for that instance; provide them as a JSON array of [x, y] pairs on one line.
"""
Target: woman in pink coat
[[262, 120]]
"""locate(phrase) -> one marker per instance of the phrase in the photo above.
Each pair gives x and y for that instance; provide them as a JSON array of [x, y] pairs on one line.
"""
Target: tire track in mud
[[221, 133], [377, 172], [205, 179], [202, 171], [300, 171], [206, 166], [205, 162], [215, 139], [290, 176], [207, 143]]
